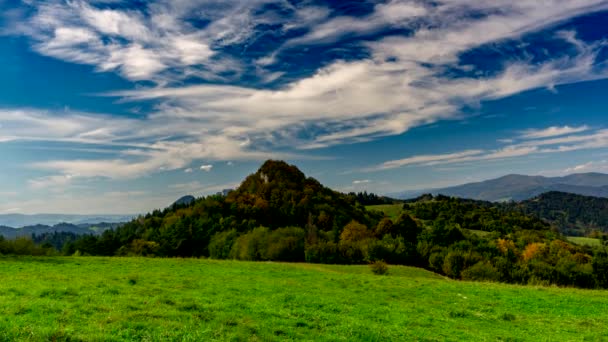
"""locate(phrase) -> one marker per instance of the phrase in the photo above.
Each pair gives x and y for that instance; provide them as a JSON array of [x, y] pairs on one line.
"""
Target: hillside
[[153, 299], [572, 214], [521, 187], [279, 214], [40, 229]]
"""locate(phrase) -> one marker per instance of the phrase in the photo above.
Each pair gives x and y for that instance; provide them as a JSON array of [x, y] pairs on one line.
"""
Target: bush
[[453, 264], [221, 244], [324, 252], [379, 267], [286, 244], [481, 271], [251, 246]]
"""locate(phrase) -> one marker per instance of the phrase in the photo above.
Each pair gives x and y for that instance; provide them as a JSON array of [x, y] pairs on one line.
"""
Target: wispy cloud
[[592, 166], [50, 182], [553, 131], [593, 140]]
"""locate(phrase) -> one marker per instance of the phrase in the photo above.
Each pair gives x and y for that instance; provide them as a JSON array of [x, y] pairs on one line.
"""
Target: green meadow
[[584, 241], [392, 211], [124, 299]]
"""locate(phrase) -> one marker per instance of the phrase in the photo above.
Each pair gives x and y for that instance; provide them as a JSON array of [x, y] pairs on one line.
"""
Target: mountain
[[185, 200], [522, 187], [39, 229], [21, 220], [278, 197], [572, 214]]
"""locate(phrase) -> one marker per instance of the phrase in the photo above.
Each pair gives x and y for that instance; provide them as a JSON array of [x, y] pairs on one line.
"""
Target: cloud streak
[[553, 131], [541, 145]]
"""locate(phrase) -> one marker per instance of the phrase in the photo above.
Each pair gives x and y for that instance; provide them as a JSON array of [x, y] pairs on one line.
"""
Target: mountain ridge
[[517, 187]]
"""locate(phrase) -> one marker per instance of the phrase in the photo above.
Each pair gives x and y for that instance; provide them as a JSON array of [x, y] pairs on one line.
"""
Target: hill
[[279, 214], [21, 220], [40, 229], [521, 187], [572, 214], [184, 200]]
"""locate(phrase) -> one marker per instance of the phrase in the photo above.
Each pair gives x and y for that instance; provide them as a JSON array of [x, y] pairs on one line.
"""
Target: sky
[[110, 106]]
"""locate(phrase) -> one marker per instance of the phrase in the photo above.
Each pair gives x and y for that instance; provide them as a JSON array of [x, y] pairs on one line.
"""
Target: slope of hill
[[572, 214], [200, 299], [521, 187]]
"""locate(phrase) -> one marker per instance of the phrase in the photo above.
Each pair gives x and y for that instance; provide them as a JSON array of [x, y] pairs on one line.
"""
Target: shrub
[[393, 250], [379, 267], [251, 246], [453, 264], [436, 259], [221, 244], [481, 271], [325, 252], [354, 252], [286, 244]]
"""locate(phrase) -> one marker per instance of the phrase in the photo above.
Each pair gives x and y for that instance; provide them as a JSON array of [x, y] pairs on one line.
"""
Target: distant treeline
[[279, 214], [573, 214]]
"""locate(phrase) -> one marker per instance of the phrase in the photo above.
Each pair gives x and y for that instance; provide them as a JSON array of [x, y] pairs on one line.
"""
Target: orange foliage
[[532, 250], [505, 246]]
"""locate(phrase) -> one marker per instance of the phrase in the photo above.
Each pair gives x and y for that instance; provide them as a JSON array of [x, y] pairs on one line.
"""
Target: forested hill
[[279, 214], [278, 195], [572, 214]]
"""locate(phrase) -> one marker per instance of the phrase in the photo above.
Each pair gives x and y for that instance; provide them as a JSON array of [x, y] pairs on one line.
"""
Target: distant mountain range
[[21, 220], [38, 229], [521, 187]]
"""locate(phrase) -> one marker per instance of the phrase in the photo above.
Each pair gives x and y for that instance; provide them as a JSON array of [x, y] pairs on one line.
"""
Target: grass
[[392, 211], [480, 233], [123, 299], [584, 241]]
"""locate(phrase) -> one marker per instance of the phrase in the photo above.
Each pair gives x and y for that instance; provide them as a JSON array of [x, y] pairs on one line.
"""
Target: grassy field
[[584, 240], [117, 299], [391, 210]]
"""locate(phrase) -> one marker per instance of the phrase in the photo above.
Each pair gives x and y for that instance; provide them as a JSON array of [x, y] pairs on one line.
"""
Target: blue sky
[[113, 106]]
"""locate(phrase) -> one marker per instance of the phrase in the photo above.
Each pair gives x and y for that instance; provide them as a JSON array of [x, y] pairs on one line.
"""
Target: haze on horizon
[[113, 106]]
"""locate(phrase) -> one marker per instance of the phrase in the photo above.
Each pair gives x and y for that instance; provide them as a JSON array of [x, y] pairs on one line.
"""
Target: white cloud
[[402, 85], [361, 181], [189, 170], [207, 167], [425, 159], [592, 166], [553, 131], [358, 101], [592, 140], [58, 181]]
